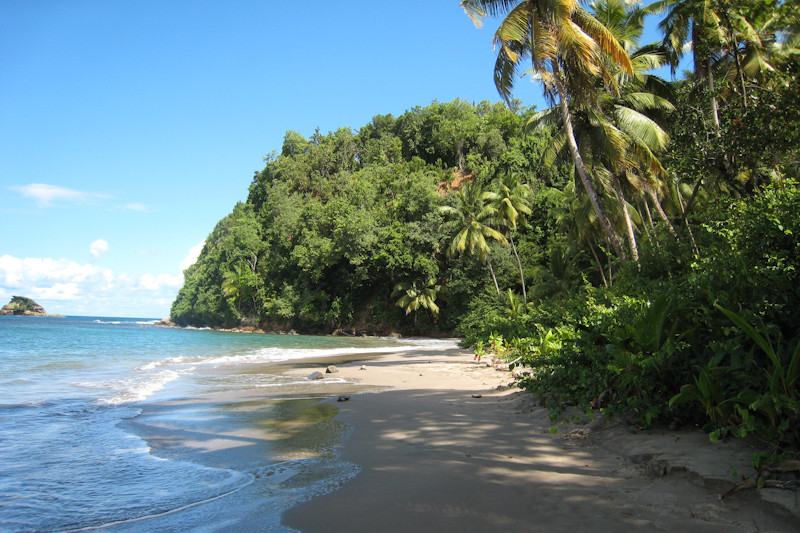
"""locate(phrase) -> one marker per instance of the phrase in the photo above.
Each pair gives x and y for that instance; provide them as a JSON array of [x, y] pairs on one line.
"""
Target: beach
[[163, 429], [452, 448], [433, 440]]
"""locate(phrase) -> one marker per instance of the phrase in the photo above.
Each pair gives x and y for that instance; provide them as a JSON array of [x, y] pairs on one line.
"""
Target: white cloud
[[135, 206], [194, 253], [47, 195], [59, 291], [98, 248], [67, 287], [15, 271], [160, 282]]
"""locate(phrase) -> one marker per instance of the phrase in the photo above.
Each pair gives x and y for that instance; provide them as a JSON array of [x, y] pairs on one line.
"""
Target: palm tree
[[569, 51], [513, 204], [416, 294], [238, 284], [476, 217], [697, 22], [619, 137]]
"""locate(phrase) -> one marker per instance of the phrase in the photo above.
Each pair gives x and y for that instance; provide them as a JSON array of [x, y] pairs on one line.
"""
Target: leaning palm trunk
[[599, 265], [608, 229], [660, 209], [519, 264], [713, 97], [494, 278], [686, 221], [627, 214]]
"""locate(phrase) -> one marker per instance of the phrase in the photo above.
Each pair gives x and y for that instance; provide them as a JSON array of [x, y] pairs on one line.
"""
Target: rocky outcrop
[[22, 306]]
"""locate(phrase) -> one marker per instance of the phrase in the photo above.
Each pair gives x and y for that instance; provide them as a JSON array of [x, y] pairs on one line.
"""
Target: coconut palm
[[699, 24], [576, 219], [239, 284], [619, 137], [416, 294], [477, 218], [513, 204], [569, 52]]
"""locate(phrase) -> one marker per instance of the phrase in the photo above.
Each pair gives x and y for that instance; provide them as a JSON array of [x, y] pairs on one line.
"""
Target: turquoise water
[[69, 388]]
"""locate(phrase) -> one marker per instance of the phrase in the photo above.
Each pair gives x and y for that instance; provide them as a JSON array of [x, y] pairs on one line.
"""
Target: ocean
[[115, 424]]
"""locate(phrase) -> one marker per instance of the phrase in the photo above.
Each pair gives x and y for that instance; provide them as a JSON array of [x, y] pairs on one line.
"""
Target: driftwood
[[760, 482]]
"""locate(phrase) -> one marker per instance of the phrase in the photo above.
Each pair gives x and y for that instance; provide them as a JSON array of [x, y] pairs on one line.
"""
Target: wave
[[131, 321], [137, 388], [274, 354], [278, 354], [151, 377]]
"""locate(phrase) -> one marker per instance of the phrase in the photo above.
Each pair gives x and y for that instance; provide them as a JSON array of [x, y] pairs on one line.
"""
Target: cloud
[[135, 206], [68, 287], [32, 270], [160, 282], [98, 248], [59, 291], [47, 195], [194, 253]]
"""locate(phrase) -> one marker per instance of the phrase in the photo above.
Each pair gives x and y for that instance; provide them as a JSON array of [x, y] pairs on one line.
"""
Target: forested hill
[[346, 231]]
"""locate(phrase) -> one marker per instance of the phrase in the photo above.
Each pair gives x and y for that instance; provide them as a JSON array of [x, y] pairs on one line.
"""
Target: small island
[[22, 306]]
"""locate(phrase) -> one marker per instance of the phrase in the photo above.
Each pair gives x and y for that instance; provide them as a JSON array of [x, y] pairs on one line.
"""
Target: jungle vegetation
[[638, 240]]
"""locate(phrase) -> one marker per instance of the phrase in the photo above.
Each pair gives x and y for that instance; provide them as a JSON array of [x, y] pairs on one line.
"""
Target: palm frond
[[638, 125]]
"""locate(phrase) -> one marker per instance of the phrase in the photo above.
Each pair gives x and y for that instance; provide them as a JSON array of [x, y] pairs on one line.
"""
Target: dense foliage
[[348, 230], [634, 248]]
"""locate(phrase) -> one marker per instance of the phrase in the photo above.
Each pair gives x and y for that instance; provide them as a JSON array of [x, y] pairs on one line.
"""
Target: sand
[[448, 446]]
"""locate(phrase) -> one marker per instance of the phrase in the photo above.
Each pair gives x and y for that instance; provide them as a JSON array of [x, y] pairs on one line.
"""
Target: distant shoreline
[[31, 315]]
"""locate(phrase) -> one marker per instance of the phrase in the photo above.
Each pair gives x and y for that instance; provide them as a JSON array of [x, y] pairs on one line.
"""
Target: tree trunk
[[660, 209], [521, 273], [494, 278], [608, 229], [628, 222], [599, 265], [652, 227], [686, 220], [713, 96]]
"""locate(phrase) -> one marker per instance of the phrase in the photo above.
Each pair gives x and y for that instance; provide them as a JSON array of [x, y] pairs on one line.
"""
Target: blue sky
[[129, 128]]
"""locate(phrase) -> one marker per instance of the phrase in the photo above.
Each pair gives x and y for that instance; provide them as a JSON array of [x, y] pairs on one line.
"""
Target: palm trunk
[[713, 97], [650, 236], [660, 209], [627, 214], [608, 229], [599, 265], [703, 69], [519, 264], [494, 278], [736, 57], [686, 221], [649, 214]]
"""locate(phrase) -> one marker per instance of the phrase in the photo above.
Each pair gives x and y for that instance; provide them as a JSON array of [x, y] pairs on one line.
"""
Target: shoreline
[[447, 446]]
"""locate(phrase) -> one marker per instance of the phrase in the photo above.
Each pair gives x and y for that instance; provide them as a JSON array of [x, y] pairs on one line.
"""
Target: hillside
[[337, 228]]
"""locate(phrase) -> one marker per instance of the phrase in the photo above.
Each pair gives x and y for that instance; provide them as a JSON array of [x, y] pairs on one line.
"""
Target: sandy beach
[[450, 447], [432, 440]]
